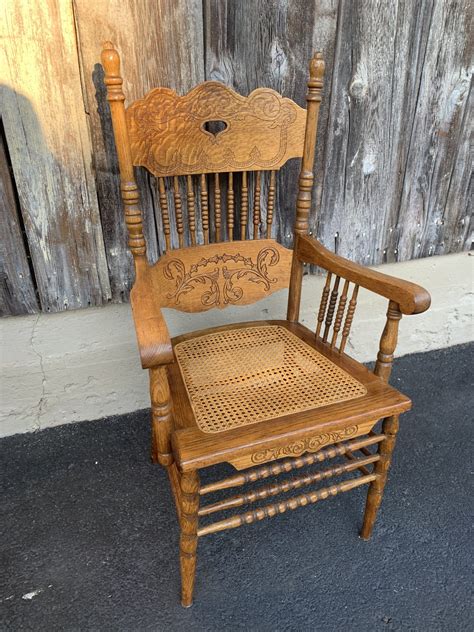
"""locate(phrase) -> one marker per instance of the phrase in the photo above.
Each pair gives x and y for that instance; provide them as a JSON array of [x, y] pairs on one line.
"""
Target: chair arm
[[152, 333], [411, 298]]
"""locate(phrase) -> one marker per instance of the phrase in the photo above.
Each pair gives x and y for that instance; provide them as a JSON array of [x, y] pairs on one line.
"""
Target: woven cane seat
[[245, 376]]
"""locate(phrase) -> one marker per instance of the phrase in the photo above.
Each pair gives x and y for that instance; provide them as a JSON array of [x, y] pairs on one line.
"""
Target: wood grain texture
[[274, 439], [269, 511], [48, 140], [188, 537], [388, 342], [435, 205], [168, 34], [161, 416], [17, 289], [268, 43], [398, 105], [153, 339], [168, 132], [376, 489], [294, 483], [412, 298], [395, 150], [217, 275], [295, 463]]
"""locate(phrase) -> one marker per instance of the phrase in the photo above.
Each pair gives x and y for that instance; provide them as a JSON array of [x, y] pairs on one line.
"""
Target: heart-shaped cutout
[[214, 127]]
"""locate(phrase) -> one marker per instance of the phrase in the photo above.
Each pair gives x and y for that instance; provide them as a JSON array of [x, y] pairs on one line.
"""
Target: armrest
[[152, 333], [411, 298]]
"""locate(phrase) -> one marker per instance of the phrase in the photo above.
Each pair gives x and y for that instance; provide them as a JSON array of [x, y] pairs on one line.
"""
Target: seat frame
[[278, 446]]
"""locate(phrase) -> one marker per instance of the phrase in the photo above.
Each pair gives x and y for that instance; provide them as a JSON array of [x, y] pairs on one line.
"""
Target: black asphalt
[[89, 524]]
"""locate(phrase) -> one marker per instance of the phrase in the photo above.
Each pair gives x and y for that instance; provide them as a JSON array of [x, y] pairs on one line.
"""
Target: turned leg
[[189, 538], [161, 420], [375, 493]]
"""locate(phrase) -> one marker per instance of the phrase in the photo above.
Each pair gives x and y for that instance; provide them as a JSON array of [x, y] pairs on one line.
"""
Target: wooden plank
[[434, 206], [376, 75], [160, 44], [397, 109], [17, 290], [49, 146], [264, 43], [457, 224]]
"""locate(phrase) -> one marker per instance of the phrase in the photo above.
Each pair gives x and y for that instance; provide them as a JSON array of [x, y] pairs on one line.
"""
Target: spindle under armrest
[[411, 298]]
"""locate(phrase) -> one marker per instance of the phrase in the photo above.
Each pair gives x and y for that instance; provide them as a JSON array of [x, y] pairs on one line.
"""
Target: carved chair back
[[215, 155]]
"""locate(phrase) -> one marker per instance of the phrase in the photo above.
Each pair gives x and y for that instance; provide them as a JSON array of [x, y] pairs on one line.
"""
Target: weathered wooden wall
[[160, 43], [397, 169], [393, 166], [49, 145]]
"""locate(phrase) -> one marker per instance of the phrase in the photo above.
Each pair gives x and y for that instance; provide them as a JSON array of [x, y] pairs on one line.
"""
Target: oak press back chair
[[253, 393]]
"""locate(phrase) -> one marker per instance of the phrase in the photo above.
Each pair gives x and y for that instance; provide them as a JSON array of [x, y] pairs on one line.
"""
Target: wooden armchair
[[253, 393]]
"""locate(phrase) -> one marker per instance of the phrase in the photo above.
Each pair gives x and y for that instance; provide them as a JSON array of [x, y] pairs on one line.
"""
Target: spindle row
[[344, 313], [213, 203]]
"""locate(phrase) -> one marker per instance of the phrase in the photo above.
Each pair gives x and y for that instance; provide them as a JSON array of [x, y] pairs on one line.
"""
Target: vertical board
[[379, 51], [434, 204], [48, 141], [399, 92], [393, 160], [17, 290], [268, 43], [160, 44]]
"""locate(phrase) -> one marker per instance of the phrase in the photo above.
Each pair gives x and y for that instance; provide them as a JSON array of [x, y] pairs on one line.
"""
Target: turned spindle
[[331, 308], [178, 211], [165, 216], [269, 511], [323, 303], [349, 317], [161, 416], [376, 489], [256, 204], [306, 178], [188, 539], [273, 469], [191, 209], [128, 186], [270, 204], [340, 313], [244, 208], [204, 208], [230, 207], [217, 207], [388, 342]]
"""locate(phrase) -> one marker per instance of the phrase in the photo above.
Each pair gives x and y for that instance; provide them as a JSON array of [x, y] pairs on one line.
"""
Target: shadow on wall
[[107, 179], [111, 207], [58, 206]]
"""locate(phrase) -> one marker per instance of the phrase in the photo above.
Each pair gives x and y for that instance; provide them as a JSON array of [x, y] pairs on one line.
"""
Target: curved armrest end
[[153, 338], [422, 300], [411, 298]]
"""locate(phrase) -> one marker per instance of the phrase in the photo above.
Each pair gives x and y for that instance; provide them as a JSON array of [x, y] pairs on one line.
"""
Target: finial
[[316, 68], [110, 60]]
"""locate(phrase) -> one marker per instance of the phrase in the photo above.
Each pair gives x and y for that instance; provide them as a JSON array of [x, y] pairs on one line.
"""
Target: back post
[[128, 187], [306, 178]]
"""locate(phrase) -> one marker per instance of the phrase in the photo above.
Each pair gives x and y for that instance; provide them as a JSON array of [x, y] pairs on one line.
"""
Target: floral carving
[[167, 133], [310, 444], [220, 289]]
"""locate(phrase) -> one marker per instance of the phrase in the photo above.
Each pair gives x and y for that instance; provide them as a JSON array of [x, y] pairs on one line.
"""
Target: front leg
[[189, 538], [161, 417], [376, 488]]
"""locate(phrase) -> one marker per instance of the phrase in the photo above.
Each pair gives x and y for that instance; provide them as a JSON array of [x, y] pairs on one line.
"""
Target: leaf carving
[[310, 444], [168, 134], [221, 289]]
